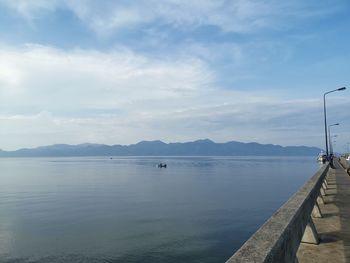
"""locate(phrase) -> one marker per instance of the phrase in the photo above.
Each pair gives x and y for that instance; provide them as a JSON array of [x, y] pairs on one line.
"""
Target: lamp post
[[333, 146], [330, 140], [325, 115], [329, 136], [332, 143]]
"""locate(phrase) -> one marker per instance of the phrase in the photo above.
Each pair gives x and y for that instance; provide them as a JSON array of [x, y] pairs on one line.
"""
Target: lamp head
[[342, 88]]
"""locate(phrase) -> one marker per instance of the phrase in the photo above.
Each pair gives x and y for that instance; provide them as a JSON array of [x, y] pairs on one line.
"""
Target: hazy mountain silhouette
[[158, 148]]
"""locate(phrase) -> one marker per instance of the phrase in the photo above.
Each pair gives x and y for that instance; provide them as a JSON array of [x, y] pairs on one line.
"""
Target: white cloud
[[52, 78], [120, 85], [53, 96], [31, 8], [232, 16], [242, 117]]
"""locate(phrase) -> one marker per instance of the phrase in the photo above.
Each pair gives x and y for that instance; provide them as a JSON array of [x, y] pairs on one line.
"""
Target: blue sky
[[118, 72]]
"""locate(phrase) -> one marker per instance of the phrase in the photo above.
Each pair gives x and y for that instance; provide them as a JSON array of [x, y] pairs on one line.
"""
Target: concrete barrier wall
[[345, 164], [279, 238]]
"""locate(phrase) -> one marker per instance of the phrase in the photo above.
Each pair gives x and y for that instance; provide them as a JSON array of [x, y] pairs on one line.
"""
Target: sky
[[119, 72]]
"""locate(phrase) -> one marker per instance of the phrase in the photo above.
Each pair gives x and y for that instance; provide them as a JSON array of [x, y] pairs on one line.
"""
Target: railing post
[[316, 211], [324, 186], [326, 182], [320, 200], [310, 235]]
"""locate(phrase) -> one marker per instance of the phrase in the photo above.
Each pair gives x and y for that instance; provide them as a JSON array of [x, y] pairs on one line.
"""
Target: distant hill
[[158, 148]]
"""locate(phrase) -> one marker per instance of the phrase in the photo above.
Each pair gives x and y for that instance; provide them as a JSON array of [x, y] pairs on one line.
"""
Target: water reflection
[[199, 209]]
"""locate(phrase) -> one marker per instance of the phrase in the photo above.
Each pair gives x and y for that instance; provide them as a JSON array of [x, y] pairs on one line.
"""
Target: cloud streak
[[230, 16], [44, 76]]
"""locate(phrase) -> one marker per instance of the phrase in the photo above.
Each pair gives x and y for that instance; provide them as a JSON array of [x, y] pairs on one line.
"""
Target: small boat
[[162, 165], [348, 158]]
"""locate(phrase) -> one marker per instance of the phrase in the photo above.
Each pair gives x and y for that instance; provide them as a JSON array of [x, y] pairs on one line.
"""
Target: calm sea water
[[199, 209]]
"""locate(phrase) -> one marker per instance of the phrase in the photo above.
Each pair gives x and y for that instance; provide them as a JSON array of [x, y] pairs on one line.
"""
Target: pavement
[[334, 227]]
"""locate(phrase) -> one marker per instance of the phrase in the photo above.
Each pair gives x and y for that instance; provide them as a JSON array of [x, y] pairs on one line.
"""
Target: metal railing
[[279, 238]]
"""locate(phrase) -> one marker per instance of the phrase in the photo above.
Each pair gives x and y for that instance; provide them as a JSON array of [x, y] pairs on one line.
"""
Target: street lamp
[[325, 115], [329, 130], [329, 137], [332, 143]]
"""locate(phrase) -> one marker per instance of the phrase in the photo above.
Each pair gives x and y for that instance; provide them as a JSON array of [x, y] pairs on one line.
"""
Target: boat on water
[[162, 165]]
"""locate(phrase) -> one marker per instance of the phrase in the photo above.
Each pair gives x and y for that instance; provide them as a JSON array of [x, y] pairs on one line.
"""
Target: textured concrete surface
[[334, 228]]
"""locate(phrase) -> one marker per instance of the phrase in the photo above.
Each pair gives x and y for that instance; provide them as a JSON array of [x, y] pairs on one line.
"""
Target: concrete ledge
[[279, 238], [344, 163]]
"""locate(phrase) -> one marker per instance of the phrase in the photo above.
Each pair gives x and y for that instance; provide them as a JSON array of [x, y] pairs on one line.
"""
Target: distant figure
[[330, 160], [162, 165]]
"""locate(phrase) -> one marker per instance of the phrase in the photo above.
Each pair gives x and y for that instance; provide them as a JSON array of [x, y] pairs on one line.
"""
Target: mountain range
[[204, 147]]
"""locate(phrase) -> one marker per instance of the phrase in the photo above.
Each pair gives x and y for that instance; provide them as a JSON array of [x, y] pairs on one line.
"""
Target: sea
[[126, 209]]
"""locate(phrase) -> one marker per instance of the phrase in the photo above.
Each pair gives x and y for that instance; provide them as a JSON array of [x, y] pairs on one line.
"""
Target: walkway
[[334, 228]]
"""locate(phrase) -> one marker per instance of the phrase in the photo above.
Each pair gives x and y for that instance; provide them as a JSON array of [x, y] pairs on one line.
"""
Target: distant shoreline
[[200, 148]]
